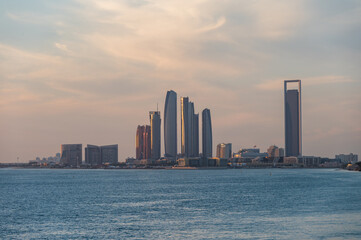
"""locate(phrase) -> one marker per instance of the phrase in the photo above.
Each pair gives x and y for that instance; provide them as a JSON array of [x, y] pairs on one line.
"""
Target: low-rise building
[[347, 158]]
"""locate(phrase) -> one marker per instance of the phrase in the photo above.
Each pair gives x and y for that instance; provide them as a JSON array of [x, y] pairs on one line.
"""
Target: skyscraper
[[143, 142], [191, 133], [139, 142], [293, 120], [155, 134], [195, 142], [206, 133], [185, 139], [170, 125], [147, 142], [189, 129], [71, 154]]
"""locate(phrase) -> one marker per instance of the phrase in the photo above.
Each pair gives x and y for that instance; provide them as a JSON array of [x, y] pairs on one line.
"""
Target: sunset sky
[[89, 71]]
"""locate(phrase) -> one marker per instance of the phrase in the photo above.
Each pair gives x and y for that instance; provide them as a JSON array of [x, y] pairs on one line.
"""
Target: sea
[[180, 204]]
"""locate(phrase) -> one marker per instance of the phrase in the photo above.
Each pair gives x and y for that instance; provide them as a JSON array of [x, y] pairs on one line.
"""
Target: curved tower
[[206, 133], [170, 124]]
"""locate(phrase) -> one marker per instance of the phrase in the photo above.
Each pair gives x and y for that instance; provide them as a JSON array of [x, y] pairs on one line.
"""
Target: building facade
[[347, 158], [293, 119], [92, 155], [155, 134], [143, 142], [170, 125], [189, 129], [207, 134], [224, 150], [139, 142], [147, 142], [275, 152], [98, 155], [109, 154], [195, 139], [71, 154]]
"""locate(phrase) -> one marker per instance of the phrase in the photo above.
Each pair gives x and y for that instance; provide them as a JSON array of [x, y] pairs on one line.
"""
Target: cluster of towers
[[148, 139]]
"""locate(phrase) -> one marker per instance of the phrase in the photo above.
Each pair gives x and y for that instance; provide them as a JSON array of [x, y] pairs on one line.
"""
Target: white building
[[347, 158]]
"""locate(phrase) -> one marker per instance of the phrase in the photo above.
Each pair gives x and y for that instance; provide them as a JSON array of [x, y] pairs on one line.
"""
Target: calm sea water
[[180, 204]]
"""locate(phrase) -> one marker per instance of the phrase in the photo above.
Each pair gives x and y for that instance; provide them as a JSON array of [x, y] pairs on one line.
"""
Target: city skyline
[[87, 71]]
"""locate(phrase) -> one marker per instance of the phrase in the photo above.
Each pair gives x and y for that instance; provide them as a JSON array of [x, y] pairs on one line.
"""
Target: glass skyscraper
[[206, 133], [155, 134], [170, 125], [189, 129], [143, 142], [293, 120]]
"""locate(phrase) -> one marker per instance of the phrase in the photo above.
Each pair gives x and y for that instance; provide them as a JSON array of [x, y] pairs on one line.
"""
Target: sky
[[89, 71]]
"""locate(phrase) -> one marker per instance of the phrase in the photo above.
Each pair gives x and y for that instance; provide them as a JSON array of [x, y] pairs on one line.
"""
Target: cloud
[[112, 61], [62, 47], [220, 22]]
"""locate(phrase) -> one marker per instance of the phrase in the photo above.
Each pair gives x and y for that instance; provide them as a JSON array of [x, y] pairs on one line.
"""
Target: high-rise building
[[191, 132], [206, 133], [189, 129], [92, 155], [143, 142], [155, 134], [109, 154], [195, 142], [71, 154], [147, 142], [185, 125], [224, 150], [293, 120], [139, 142], [170, 125]]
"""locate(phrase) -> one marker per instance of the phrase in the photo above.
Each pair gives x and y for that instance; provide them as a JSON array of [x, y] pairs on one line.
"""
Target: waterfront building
[[170, 125], [195, 139], [189, 129], [347, 158], [98, 155], [290, 160], [147, 142], [143, 142], [310, 161], [139, 142], [71, 154], [224, 150], [109, 154], [275, 152], [92, 155], [207, 141], [293, 119], [250, 153], [155, 134]]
